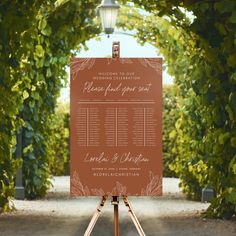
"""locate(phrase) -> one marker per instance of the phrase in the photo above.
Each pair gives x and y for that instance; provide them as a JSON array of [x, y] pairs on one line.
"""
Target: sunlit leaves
[[35, 46], [42, 24], [39, 51], [25, 94], [203, 61], [170, 116]]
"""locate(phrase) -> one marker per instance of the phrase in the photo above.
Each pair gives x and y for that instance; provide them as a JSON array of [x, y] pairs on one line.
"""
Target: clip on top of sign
[[116, 50]]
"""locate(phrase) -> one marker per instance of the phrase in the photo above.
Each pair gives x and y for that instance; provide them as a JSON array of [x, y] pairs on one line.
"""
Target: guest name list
[[116, 134]]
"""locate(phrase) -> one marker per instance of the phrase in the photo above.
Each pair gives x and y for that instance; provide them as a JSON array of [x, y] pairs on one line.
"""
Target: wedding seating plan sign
[[116, 126]]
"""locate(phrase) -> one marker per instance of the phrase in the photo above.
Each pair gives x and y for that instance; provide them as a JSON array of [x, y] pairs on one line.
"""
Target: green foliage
[[170, 116], [7, 170], [200, 53], [59, 30], [58, 145], [190, 164], [36, 44], [11, 79]]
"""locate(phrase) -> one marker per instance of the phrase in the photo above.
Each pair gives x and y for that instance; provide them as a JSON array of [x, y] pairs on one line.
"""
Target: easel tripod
[[115, 203], [115, 199]]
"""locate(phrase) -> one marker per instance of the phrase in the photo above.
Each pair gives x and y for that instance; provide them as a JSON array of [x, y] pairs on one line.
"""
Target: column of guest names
[[119, 126], [116, 126], [88, 127], [144, 126]]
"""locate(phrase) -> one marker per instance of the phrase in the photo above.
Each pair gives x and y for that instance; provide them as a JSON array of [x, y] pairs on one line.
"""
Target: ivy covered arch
[[36, 43], [35, 47], [201, 56]]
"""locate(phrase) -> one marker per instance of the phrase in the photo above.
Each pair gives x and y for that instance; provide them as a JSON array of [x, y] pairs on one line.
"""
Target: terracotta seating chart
[[116, 130]]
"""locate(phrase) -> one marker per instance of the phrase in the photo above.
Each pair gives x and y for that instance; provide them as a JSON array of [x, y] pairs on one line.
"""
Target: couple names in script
[[121, 158]]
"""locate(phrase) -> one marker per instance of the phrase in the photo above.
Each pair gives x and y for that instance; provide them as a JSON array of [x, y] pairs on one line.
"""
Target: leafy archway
[[201, 55], [35, 46]]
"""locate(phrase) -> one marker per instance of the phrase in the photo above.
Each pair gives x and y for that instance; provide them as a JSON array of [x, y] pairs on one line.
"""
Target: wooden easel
[[115, 199], [115, 203]]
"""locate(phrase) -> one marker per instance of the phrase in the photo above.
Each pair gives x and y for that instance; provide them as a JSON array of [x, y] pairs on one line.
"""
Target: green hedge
[[200, 53], [171, 113], [59, 141], [36, 44]]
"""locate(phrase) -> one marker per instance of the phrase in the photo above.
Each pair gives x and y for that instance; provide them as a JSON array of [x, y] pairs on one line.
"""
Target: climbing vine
[[36, 44], [170, 114], [59, 30], [200, 52], [59, 144]]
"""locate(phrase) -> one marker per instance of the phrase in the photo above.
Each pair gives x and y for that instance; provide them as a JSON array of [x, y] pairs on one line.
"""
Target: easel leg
[[95, 217], [115, 202], [133, 217]]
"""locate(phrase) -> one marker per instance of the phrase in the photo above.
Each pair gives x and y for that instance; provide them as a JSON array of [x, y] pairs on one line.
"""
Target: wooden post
[[115, 203], [19, 188]]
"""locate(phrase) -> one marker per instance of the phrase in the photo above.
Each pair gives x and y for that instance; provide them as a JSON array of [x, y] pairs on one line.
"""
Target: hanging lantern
[[108, 11]]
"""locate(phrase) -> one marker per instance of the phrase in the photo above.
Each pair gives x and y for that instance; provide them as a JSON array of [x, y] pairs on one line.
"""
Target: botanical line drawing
[[121, 60], [154, 188], [77, 187], [79, 64], [155, 63]]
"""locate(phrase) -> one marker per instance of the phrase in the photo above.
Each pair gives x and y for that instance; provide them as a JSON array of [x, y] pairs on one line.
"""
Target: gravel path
[[59, 215]]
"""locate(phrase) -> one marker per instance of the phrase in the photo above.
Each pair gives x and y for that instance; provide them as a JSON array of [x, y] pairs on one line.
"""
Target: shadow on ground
[[28, 225], [59, 215]]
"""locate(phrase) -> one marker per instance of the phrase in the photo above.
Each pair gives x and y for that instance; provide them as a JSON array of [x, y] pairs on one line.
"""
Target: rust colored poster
[[116, 126]]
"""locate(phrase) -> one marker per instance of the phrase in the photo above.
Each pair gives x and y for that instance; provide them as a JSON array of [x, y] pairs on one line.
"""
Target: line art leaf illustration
[[98, 192], [79, 64], [153, 63], [77, 187], [154, 187], [121, 60]]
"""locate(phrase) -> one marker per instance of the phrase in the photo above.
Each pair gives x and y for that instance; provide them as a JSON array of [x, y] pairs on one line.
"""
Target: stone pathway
[[58, 215]]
